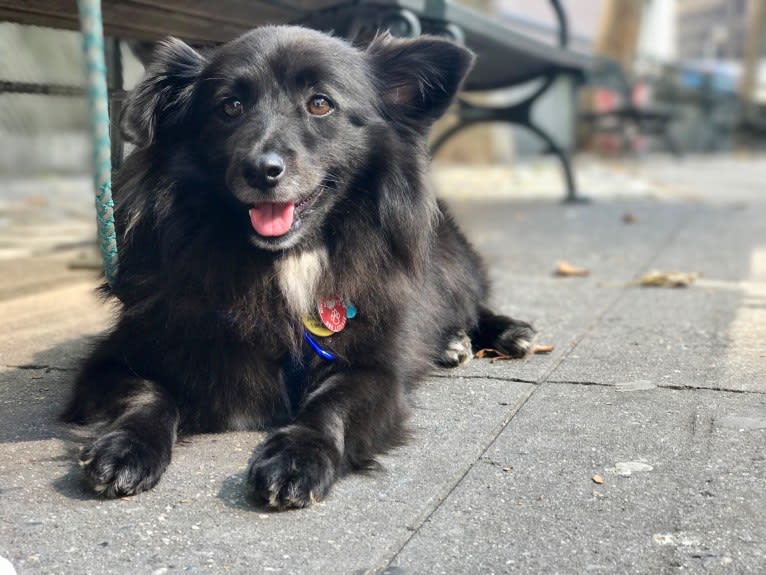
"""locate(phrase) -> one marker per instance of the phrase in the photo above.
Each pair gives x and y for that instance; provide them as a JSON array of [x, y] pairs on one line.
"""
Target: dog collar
[[318, 349], [330, 316]]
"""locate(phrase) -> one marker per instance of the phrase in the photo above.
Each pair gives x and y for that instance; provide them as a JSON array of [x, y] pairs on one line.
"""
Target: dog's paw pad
[[119, 463], [516, 340], [292, 470], [458, 351]]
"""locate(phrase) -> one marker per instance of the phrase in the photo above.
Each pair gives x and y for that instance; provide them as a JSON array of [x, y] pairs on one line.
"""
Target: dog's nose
[[272, 166], [265, 170]]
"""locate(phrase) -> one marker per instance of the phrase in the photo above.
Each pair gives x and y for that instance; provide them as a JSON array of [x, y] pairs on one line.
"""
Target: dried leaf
[[541, 348], [493, 354], [668, 279], [486, 352], [497, 355], [565, 269], [507, 469], [628, 218], [597, 479]]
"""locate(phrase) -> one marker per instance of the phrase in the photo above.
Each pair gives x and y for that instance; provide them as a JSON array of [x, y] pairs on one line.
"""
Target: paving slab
[[712, 334], [522, 241], [27, 276], [682, 488], [46, 329], [39, 215], [531, 236]]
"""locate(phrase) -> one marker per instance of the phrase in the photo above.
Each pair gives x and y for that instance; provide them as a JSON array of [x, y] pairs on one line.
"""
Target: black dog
[[284, 264]]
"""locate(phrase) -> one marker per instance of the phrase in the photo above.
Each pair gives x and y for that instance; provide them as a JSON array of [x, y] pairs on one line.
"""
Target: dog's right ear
[[162, 98]]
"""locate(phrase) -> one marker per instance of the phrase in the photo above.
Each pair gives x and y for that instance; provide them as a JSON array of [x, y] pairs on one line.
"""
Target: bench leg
[[518, 113], [566, 163], [116, 95], [672, 144], [447, 134]]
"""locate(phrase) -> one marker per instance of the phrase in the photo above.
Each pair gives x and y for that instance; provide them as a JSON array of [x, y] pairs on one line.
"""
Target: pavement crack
[[570, 382], [485, 377], [672, 387], [414, 526], [681, 387]]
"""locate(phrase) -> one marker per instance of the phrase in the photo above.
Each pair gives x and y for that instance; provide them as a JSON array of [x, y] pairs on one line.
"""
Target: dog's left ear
[[418, 78]]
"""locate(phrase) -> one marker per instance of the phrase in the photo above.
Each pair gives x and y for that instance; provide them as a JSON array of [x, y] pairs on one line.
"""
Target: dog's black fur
[[209, 337]]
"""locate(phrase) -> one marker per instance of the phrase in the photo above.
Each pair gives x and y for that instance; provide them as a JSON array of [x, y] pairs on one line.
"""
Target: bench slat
[[193, 20], [237, 10]]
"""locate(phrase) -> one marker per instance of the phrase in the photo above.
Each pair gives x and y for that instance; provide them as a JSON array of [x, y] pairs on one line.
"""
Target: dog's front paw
[[516, 339], [121, 463], [292, 468], [458, 351]]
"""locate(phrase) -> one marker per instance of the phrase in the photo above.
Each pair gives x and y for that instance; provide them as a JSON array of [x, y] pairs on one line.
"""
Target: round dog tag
[[350, 308], [312, 324], [332, 312]]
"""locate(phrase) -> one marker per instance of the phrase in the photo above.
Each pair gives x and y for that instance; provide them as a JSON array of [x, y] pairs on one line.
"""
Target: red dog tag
[[332, 312]]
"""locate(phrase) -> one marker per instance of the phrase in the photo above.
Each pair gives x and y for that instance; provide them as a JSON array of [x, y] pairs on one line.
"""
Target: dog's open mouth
[[275, 219], [271, 219]]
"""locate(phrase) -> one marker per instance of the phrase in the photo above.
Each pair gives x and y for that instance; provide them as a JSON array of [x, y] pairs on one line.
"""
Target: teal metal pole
[[98, 111]]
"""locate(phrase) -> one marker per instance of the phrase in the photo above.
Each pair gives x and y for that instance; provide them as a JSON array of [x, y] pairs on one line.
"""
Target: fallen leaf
[[541, 348], [507, 469], [628, 218], [657, 278], [497, 355], [493, 354], [565, 269], [486, 352], [597, 479]]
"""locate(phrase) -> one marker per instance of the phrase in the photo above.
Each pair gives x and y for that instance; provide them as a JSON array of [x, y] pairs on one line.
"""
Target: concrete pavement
[[636, 446]]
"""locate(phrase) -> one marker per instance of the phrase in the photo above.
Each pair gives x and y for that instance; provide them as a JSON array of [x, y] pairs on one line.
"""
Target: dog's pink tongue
[[271, 219]]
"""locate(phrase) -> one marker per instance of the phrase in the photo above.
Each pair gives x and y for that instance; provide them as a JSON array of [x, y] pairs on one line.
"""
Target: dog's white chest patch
[[298, 278]]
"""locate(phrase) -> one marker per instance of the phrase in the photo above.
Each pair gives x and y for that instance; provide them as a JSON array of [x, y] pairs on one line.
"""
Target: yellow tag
[[315, 326]]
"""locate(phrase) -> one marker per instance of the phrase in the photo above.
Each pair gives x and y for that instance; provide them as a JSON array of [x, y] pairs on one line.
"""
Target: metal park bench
[[506, 58]]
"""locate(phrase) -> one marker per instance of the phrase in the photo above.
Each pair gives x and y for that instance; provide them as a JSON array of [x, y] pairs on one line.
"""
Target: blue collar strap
[[318, 349]]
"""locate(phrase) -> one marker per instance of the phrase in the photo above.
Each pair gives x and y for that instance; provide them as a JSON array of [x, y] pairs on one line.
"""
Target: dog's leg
[[509, 336], [141, 423], [343, 423]]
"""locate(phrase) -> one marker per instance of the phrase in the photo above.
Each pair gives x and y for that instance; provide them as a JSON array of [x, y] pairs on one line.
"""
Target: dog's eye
[[232, 107], [319, 105]]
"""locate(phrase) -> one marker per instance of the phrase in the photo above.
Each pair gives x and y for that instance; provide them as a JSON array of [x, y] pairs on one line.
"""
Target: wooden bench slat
[[238, 10], [160, 23], [153, 19], [28, 18]]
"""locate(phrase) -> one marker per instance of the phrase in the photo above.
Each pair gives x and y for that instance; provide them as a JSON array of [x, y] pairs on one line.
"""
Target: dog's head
[[286, 117]]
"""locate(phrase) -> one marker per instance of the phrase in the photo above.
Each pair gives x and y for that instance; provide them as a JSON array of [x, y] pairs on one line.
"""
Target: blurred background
[[678, 80], [698, 61]]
